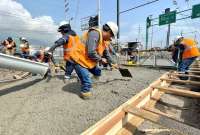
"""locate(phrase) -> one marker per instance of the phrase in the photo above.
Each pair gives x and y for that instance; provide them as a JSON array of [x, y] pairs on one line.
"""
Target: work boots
[[86, 95]]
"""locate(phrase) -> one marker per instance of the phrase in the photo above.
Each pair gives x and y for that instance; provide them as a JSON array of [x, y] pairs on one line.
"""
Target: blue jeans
[[25, 55], [84, 76], [184, 66], [69, 68]]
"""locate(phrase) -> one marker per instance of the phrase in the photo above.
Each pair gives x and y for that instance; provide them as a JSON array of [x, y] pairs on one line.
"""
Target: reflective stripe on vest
[[76, 51], [101, 44]]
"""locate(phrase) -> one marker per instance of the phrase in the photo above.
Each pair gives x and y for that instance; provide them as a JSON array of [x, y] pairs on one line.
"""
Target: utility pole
[[99, 12], [147, 33], [66, 3], [151, 36], [121, 12], [118, 24], [118, 12], [167, 10], [168, 35], [139, 31], [148, 25]]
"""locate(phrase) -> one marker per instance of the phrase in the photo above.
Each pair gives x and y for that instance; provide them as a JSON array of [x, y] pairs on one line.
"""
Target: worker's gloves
[[115, 66], [50, 53], [104, 61]]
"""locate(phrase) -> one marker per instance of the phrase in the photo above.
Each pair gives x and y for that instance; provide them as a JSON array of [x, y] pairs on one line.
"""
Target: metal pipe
[[15, 63]]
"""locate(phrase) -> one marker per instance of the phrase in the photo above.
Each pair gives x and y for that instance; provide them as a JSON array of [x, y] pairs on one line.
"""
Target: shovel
[[123, 71]]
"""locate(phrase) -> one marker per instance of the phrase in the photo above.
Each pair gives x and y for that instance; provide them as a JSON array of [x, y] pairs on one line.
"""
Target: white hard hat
[[177, 38], [46, 49], [63, 23], [114, 28], [23, 38]]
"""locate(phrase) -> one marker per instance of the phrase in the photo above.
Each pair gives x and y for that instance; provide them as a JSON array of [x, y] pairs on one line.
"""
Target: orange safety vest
[[9, 45], [76, 51], [101, 45], [191, 49], [25, 48]]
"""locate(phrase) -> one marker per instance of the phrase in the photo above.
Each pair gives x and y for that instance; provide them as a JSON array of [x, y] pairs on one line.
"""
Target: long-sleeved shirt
[[92, 44], [62, 41]]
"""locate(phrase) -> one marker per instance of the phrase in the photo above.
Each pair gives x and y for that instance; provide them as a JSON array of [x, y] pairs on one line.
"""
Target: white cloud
[[16, 21]]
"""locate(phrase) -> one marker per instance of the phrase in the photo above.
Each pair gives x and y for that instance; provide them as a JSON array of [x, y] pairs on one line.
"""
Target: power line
[[142, 5]]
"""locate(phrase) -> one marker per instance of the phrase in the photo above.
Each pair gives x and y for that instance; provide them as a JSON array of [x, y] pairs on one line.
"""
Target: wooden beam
[[131, 126], [164, 121], [195, 72], [186, 75], [194, 69], [182, 81], [180, 92], [156, 111], [116, 120]]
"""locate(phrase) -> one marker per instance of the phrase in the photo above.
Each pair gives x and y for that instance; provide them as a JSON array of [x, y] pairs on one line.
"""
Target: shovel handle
[[115, 66]]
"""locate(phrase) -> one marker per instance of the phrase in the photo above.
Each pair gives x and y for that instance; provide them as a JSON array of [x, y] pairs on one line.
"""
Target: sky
[[38, 20]]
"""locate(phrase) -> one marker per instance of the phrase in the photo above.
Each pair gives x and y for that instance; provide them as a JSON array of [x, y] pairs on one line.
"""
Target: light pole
[[99, 12]]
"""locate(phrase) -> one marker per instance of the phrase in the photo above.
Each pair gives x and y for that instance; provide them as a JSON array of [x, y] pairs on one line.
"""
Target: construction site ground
[[184, 109], [53, 106]]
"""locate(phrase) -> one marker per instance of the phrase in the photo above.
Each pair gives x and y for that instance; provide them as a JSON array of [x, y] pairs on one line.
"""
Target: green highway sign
[[167, 18], [196, 11]]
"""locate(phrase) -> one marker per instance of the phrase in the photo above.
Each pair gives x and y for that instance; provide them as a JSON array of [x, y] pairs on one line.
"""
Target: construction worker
[[24, 47], [41, 55], [84, 57], [9, 45], [66, 31], [184, 52]]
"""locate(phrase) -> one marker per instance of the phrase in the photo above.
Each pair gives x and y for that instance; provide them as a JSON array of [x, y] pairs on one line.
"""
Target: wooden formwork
[[129, 116]]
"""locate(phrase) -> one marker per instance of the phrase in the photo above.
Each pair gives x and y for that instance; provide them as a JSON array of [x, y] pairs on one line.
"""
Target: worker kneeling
[[185, 51], [84, 55]]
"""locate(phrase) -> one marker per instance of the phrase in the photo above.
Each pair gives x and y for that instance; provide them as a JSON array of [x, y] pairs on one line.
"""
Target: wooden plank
[[109, 122], [195, 72], [187, 75], [156, 111], [182, 81], [180, 92], [164, 121], [133, 124], [194, 69]]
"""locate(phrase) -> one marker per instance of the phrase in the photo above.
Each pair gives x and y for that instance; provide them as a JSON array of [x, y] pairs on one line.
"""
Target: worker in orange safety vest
[[185, 52], [84, 54]]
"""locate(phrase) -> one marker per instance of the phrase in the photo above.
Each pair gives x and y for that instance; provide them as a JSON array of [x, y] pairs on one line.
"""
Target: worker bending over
[[85, 55], [41, 55], [184, 53]]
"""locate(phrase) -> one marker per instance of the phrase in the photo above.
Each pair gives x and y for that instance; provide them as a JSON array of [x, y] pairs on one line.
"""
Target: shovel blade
[[125, 72]]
